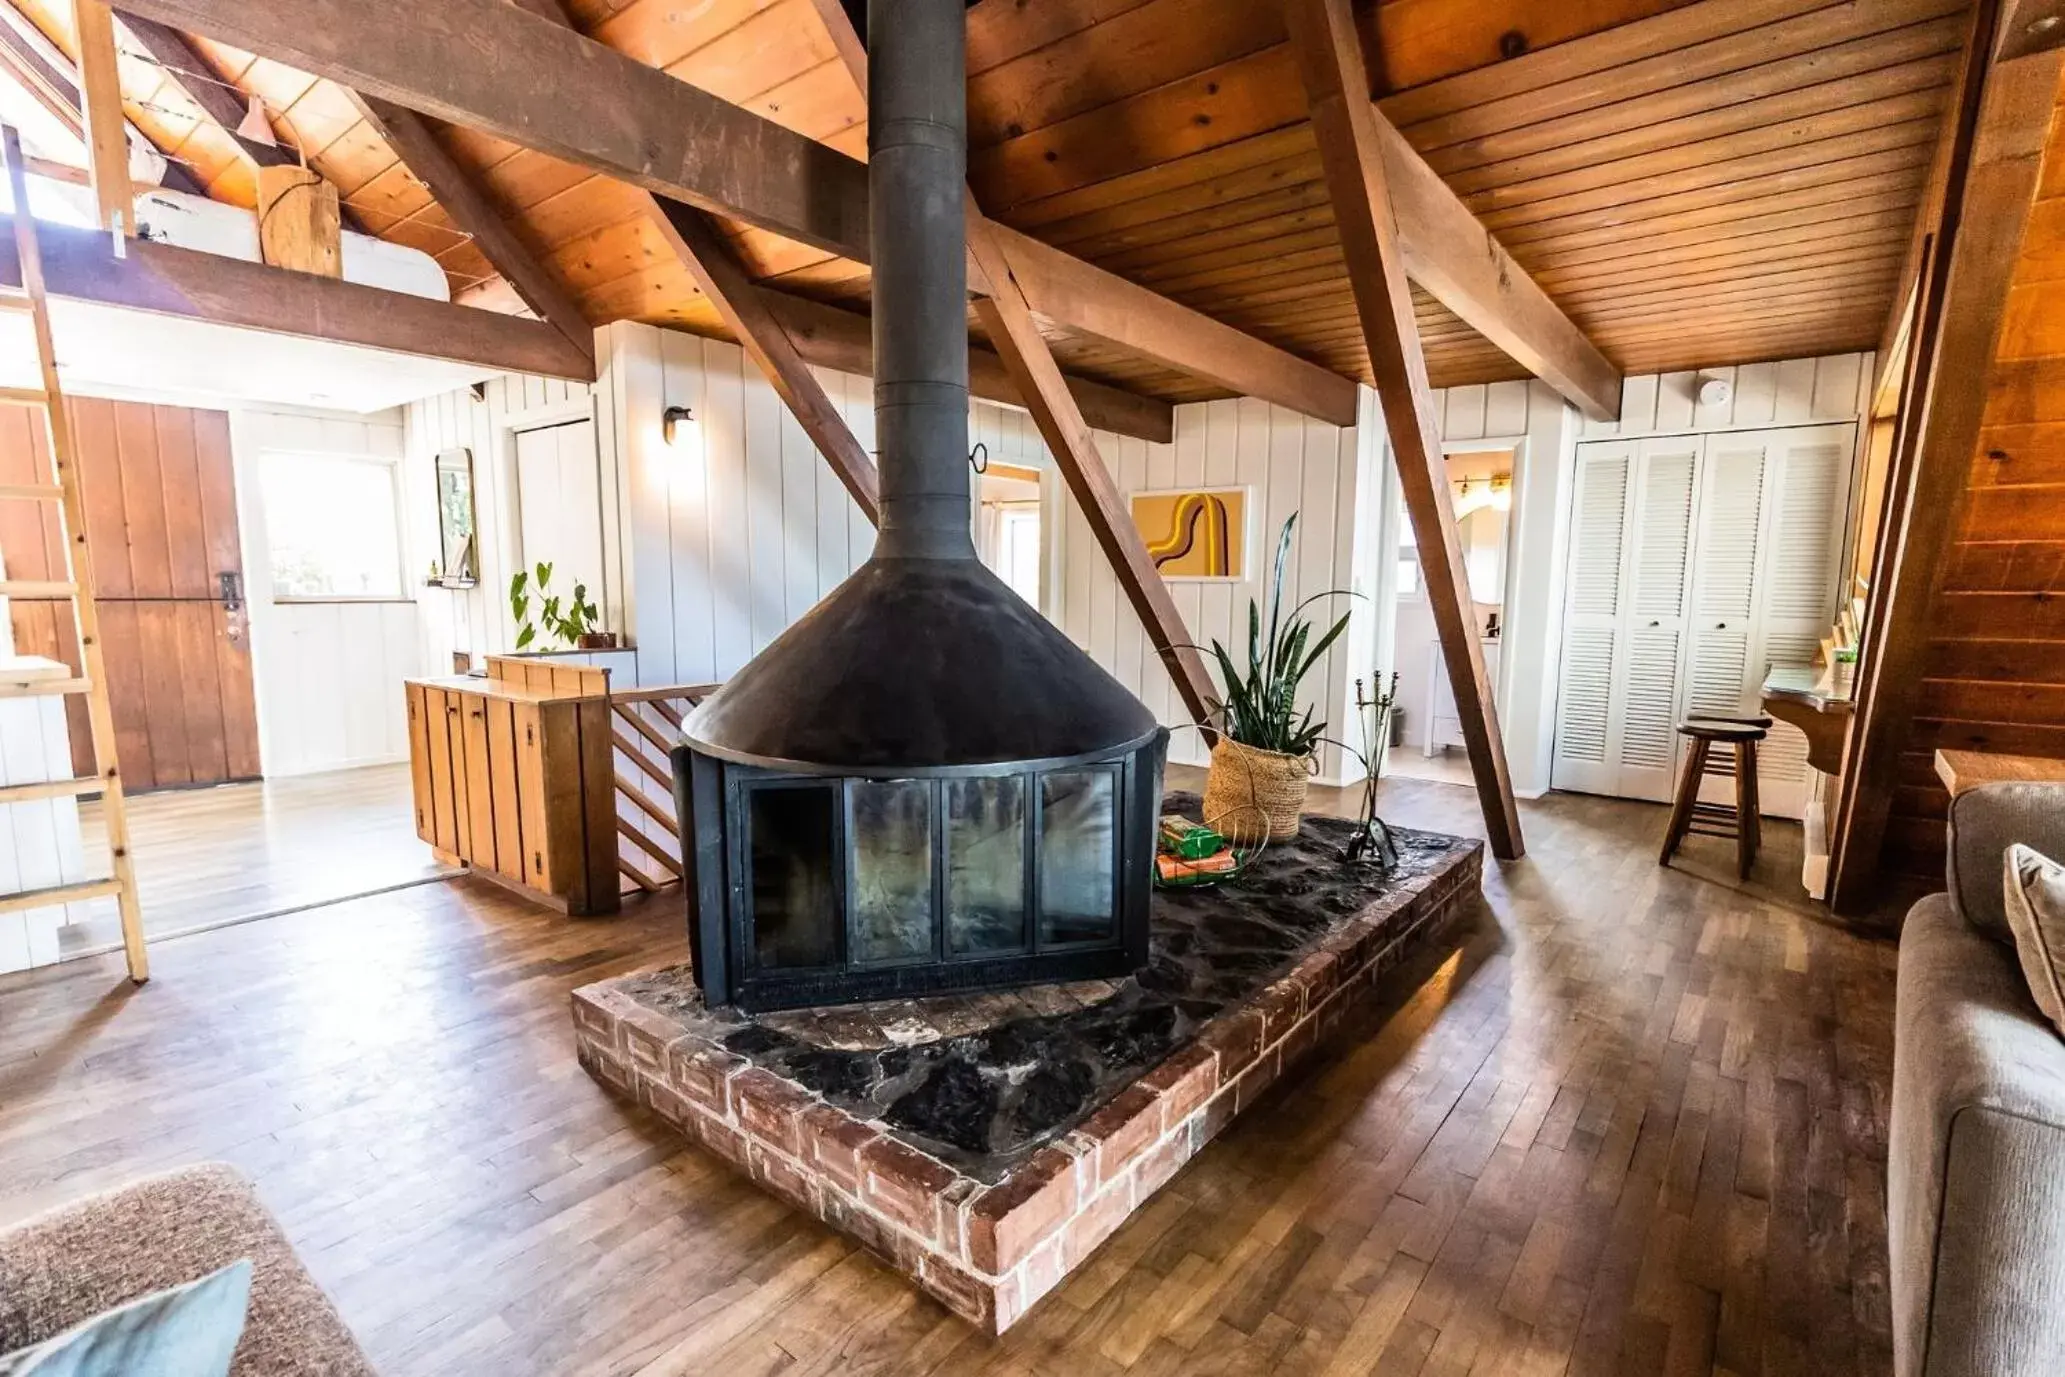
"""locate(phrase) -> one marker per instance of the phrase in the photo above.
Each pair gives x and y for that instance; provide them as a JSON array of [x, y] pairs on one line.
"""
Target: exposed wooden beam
[[510, 72], [81, 266], [1461, 264], [505, 69], [1991, 183], [832, 338], [709, 257], [1007, 315], [1090, 301], [460, 196], [2029, 27], [107, 130], [1358, 183]]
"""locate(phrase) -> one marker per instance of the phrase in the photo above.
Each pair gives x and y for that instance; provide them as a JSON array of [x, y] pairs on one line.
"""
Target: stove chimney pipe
[[917, 171]]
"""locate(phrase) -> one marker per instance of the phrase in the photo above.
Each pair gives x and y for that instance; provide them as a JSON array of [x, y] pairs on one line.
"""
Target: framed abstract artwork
[[1195, 533]]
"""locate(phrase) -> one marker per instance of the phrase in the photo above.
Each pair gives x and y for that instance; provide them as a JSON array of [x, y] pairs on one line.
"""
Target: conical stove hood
[[923, 658]]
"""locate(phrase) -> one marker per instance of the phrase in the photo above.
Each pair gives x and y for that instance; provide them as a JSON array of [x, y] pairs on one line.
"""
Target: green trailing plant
[[1260, 704], [565, 620]]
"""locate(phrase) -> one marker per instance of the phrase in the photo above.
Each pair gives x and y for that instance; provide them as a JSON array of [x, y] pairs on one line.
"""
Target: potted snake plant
[[1264, 756]]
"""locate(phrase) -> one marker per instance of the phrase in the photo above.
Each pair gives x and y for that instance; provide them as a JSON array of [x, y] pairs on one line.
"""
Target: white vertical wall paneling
[[327, 675], [39, 840], [1791, 392]]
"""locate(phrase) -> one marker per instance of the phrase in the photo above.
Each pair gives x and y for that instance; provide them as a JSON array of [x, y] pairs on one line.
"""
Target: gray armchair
[[1976, 1172], [94, 1254]]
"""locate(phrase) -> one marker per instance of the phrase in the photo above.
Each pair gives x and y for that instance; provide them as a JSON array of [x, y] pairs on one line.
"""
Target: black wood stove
[[922, 785]]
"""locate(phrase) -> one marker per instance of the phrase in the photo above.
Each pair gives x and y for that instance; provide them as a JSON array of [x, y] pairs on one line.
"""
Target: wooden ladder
[[78, 588]]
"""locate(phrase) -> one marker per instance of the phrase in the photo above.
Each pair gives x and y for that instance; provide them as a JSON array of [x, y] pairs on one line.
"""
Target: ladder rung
[[24, 396], [59, 894], [52, 788], [43, 688], [37, 588], [11, 301], [31, 492]]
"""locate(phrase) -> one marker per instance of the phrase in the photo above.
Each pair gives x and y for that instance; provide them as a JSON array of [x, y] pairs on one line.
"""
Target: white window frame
[[393, 465]]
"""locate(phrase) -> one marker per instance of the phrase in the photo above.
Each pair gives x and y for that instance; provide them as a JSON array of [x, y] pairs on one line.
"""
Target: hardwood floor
[[1633, 1122], [215, 855]]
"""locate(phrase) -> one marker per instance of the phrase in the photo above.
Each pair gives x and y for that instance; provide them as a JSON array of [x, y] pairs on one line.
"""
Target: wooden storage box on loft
[[513, 778]]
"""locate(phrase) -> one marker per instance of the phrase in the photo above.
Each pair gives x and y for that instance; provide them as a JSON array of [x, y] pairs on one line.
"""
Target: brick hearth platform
[[989, 1237]]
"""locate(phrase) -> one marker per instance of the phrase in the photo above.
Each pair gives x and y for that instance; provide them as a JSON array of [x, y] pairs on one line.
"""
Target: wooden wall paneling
[[480, 793], [201, 690], [445, 802], [562, 797], [415, 696], [598, 801], [540, 866], [1336, 83], [2005, 111], [502, 767]]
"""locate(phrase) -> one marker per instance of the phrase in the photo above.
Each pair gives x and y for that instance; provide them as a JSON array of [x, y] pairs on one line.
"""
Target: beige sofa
[[1976, 1169], [94, 1254]]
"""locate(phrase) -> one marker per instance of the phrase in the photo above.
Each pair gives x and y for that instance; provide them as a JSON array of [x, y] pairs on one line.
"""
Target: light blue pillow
[[183, 1331]]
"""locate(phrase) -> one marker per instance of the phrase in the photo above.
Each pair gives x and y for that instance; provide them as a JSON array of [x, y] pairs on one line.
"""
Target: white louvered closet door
[[1659, 579], [1587, 752], [1806, 486], [1725, 547]]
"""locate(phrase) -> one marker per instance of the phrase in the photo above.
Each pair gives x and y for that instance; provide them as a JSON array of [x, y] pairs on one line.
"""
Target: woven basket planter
[[1253, 795]]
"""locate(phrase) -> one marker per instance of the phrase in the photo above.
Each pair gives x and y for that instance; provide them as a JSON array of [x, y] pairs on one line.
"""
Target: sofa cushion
[[1984, 823], [2034, 896], [85, 1257], [182, 1331], [1976, 1159]]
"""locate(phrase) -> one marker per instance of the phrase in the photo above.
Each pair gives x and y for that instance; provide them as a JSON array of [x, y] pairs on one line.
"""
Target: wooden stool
[[1689, 815]]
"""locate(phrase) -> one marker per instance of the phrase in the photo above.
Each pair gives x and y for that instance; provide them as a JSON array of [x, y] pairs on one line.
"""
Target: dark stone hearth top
[[980, 1081]]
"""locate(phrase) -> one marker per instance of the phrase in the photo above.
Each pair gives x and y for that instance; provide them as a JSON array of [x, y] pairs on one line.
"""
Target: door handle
[[232, 590]]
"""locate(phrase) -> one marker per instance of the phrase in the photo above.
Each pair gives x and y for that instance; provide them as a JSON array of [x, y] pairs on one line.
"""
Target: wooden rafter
[[455, 190], [80, 265], [1352, 153], [832, 338], [506, 70], [1461, 264], [702, 249], [1991, 180], [1007, 316]]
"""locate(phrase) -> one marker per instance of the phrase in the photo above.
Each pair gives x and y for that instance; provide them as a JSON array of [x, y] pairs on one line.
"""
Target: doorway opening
[[1427, 731], [1007, 528]]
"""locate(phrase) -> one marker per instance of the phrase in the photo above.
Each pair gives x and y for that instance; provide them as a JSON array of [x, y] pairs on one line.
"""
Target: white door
[[559, 506], [1725, 548]]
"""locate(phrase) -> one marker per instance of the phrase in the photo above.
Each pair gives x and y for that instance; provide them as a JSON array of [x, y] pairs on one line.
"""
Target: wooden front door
[[162, 520]]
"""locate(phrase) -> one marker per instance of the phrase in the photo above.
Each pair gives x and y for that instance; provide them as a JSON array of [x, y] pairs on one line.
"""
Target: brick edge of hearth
[[989, 1253]]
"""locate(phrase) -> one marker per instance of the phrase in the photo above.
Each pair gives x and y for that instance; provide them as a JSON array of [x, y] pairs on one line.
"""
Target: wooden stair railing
[[645, 726]]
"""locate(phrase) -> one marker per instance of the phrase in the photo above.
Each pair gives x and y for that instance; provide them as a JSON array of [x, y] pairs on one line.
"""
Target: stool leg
[[1693, 769], [1756, 802], [1745, 808]]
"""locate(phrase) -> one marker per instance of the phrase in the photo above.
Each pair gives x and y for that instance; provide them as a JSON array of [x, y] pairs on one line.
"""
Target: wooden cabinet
[[513, 777]]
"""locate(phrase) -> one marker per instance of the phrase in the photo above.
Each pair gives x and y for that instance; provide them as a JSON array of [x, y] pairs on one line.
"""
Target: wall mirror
[[459, 560]]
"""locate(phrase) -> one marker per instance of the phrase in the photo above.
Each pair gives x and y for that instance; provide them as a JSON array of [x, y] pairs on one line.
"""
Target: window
[[1408, 555], [331, 526]]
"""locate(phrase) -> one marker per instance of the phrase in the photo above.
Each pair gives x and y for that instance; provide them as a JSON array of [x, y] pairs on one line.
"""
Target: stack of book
[[1190, 853]]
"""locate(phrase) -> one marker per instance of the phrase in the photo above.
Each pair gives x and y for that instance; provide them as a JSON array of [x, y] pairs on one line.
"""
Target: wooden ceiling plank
[[1689, 67], [163, 280], [1704, 161], [1545, 69], [1359, 170], [455, 191], [1926, 58]]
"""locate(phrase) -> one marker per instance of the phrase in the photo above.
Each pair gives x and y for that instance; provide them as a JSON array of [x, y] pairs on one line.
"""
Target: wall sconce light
[[674, 422]]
